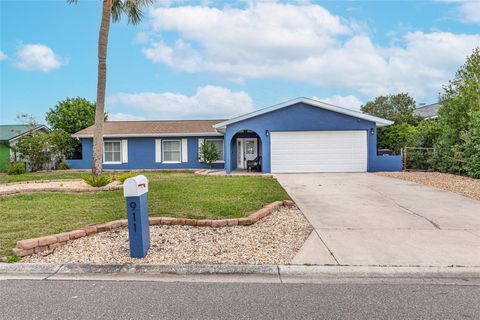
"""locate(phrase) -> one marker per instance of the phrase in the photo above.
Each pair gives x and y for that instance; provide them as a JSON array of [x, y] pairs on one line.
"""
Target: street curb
[[283, 271], [378, 271]]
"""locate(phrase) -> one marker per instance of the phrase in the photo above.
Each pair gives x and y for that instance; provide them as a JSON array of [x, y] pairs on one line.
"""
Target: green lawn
[[174, 194], [4, 178]]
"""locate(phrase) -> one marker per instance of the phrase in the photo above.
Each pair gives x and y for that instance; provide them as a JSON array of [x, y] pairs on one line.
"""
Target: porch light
[[372, 131], [267, 133]]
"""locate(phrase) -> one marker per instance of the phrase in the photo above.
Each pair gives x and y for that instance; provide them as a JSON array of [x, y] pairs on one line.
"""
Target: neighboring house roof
[[429, 111], [153, 128], [315, 103], [15, 131]]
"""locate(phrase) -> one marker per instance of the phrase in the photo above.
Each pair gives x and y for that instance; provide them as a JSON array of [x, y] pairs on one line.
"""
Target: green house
[[9, 135]]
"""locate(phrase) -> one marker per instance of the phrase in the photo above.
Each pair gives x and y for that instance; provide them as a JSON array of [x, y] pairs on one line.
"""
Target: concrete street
[[365, 219], [31, 299]]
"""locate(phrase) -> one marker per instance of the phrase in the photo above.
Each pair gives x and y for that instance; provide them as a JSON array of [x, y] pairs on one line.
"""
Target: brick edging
[[35, 245], [40, 181]]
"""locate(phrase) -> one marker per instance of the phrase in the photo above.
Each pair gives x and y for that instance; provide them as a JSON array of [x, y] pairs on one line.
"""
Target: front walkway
[[220, 172], [366, 219]]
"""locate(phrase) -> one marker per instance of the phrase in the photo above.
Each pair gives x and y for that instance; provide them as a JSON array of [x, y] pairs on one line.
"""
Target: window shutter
[[124, 151], [184, 150], [200, 142], [158, 150]]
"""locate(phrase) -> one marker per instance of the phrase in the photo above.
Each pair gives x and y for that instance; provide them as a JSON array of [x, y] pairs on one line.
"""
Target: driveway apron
[[365, 219]]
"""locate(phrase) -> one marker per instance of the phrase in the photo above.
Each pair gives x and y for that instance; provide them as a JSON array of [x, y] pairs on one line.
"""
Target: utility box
[[135, 191]]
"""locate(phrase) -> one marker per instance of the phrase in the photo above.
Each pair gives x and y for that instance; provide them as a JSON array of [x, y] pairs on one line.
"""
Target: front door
[[246, 150]]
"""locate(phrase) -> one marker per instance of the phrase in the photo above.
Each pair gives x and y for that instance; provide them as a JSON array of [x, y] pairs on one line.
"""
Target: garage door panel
[[319, 151]]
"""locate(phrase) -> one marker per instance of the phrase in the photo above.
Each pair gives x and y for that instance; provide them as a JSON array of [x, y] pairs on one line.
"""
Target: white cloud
[[123, 117], [349, 102], [142, 37], [469, 10], [38, 57], [305, 43], [208, 102], [3, 56]]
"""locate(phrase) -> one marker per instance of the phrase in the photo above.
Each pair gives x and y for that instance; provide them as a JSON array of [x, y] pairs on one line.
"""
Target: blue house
[[300, 135]]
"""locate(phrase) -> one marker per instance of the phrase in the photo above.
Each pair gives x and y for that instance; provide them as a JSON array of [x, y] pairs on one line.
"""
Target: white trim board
[[27, 132], [315, 103], [153, 135]]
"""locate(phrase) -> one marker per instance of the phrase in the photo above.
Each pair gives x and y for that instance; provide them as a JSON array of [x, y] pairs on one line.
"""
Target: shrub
[[13, 258], [97, 181], [16, 168], [63, 165], [124, 176]]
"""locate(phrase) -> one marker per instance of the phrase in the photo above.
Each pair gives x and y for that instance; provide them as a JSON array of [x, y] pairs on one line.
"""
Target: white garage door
[[319, 151]]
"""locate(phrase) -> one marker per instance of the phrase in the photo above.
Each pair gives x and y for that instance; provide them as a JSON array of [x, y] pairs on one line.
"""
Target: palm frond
[[131, 8]]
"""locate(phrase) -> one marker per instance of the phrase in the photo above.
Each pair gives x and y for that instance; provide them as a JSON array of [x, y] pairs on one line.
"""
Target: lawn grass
[[173, 194], [4, 178]]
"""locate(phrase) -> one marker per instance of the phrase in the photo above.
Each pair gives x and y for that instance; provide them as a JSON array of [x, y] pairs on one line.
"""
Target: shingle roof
[[10, 131], [152, 128], [428, 111]]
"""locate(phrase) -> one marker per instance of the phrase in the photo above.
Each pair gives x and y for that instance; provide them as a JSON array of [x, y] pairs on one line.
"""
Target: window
[[112, 152], [218, 143], [172, 150]]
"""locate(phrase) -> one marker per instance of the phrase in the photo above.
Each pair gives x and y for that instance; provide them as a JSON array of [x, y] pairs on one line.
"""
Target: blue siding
[[141, 155], [388, 163], [298, 117]]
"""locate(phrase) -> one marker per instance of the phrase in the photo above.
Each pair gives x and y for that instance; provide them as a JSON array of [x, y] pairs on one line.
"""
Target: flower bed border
[[110, 187], [36, 245]]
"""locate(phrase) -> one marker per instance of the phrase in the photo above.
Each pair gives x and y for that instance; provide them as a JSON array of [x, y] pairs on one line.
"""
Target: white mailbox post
[[135, 191]]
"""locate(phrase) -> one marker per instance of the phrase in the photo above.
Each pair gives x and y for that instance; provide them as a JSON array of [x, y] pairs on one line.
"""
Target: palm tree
[[112, 9]]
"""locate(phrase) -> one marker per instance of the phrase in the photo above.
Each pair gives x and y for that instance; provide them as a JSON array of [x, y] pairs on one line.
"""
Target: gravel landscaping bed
[[465, 186], [273, 240], [66, 185]]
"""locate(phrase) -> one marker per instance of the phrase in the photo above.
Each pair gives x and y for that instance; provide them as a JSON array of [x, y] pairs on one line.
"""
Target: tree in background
[[71, 115], [400, 109], [67, 117], [457, 147], [112, 9]]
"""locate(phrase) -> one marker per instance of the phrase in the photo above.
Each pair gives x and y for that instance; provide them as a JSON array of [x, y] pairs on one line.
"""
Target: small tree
[[34, 149], [208, 154]]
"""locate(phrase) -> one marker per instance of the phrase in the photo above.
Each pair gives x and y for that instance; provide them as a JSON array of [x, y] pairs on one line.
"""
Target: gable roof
[[430, 111], [153, 128], [10, 132], [315, 103]]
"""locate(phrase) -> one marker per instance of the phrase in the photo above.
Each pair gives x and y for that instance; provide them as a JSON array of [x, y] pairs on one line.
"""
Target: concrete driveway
[[365, 219]]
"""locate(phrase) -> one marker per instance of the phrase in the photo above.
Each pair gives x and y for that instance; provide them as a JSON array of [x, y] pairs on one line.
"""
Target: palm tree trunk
[[101, 84]]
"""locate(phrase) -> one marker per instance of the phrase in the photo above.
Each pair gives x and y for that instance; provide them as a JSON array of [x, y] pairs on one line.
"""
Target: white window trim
[[184, 150], [223, 143], [112, 162], [163, 150], [158, 150]]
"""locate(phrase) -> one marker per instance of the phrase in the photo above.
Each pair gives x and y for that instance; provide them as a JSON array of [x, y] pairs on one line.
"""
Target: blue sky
[[194, 60]]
